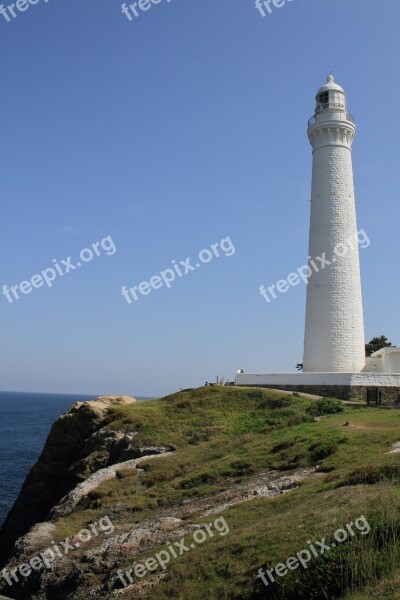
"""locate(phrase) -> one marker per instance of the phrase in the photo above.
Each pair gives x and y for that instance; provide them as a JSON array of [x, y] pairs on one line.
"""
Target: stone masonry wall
[[389, 395]]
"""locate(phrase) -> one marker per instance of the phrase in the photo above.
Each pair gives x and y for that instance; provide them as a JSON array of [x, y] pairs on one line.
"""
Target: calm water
[[25, 421]]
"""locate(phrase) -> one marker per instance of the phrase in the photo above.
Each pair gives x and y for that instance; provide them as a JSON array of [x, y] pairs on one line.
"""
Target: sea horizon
[[74, 394]]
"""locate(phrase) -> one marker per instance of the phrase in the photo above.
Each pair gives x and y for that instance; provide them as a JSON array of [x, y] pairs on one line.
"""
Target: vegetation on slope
[[222, 435]]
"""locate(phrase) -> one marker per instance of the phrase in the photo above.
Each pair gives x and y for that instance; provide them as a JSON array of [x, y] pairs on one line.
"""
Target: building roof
[[330, 85], [382, 351]]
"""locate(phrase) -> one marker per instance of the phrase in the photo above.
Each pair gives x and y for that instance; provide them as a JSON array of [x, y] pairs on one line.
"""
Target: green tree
[[376, 344]]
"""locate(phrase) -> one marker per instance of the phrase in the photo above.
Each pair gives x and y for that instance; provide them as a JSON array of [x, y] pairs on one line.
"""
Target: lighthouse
[[334, 362], [334, 327]]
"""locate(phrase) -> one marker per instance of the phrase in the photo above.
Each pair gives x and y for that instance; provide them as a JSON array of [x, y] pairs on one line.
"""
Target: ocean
[[25, 421]]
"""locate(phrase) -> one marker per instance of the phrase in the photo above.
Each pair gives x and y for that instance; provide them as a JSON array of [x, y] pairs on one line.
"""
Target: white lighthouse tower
[[334, 330], [334, 362]]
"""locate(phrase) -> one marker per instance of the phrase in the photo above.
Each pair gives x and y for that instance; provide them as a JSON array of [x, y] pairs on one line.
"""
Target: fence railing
[[343, 117]]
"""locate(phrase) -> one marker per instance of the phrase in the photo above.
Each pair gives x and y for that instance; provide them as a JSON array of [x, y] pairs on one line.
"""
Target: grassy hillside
[[223, 435]]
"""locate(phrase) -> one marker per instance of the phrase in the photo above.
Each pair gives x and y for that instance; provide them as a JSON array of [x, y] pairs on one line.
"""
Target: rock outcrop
[[77, 446]]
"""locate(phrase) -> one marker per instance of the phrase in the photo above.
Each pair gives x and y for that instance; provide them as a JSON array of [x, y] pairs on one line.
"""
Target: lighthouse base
[[346, 386]]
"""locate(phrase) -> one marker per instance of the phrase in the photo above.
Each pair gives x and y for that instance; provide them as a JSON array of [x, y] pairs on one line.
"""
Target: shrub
[[322, 450], [204, 478], [325, 406], [154, 478], [371, 474], [282, 446], [276, 403], [241, 467]]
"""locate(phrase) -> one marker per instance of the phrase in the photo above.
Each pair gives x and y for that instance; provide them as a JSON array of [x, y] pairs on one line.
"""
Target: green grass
[[222, 435]]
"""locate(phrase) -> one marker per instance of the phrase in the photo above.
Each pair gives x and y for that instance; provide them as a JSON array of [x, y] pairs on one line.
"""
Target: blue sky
[[168, 133]]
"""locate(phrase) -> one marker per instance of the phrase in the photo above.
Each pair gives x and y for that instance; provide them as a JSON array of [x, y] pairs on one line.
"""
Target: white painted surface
[[394, 364], [373, 365], [389, 358], [359, 379], [334, 329]]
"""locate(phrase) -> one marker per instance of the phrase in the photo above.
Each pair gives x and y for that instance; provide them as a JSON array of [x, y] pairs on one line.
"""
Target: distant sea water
[[25, 422]]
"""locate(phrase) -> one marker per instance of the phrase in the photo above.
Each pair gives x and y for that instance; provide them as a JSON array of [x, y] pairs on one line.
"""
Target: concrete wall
[[389, 395], [373, 365], [386, 360], [358, 379], [346, 386], [392, 362]]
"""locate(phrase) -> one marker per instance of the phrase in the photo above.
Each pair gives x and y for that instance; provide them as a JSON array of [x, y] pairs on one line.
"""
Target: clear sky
[[169, 133]]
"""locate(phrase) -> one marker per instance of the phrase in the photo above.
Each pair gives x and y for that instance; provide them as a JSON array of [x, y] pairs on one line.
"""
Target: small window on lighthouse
[[323, 100]]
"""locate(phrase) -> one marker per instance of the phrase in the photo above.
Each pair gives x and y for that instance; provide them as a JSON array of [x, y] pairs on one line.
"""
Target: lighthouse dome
[[330, 85], [330, 96]]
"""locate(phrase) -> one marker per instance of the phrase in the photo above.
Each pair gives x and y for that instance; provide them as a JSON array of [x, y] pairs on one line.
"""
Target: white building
[[386, 360], [334, 348]]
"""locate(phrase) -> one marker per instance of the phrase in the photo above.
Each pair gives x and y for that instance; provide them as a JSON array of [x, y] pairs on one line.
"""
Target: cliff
[[79, 444], [191, 495]]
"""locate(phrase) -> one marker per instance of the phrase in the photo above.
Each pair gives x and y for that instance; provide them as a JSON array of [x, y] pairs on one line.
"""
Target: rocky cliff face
[[70, 538], [79, 444]]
